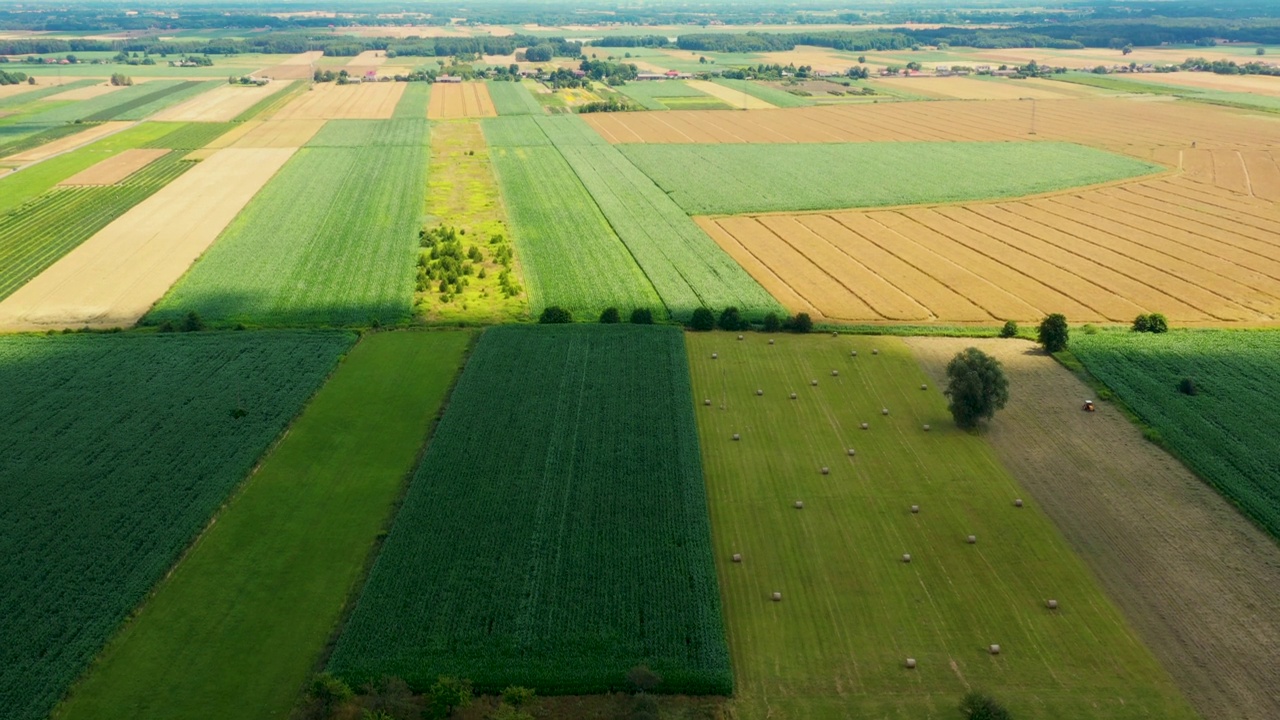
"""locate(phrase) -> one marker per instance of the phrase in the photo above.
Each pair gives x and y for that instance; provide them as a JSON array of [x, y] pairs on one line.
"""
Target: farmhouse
[[448, 79]]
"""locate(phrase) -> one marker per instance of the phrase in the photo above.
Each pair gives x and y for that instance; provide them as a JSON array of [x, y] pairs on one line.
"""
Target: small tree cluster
[[1053, 333], [977, 706], [1151, 323], [555, 315], [191, 322]]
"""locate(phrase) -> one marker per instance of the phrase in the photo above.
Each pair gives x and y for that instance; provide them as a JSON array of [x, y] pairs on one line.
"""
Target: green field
[[108, 106], [42, 230], [570, 255], [161, 100], [1251, 101], [44, 91], [773, 96], [661, 94], [236, 630], [852, 610], [1226, 432], [413, 103], [686, 267], [513, 98], [20, 138], [330, 240], [569, 552], [740, 178], [97, 503]]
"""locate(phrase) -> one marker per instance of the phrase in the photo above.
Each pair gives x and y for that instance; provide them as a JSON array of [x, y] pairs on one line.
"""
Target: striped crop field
[[513, 98], [865, 581], [573, 551]]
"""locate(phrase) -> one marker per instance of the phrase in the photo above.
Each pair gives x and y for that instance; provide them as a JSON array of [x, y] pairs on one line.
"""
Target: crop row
[[105, 107], [145, 107], [513, 98], [570, 552], [413, 103], [1226, 430], [739, 178], [97, 504], [330, 240], [372, 133], [571, 256], [41, 93], [20, 138]]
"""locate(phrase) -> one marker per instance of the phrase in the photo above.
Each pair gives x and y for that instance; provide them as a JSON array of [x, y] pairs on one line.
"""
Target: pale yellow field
[[460, 100], [85, 93], [116, 168], [357, 101], [42, 82], [297, 67], [279, 134], [88, 135], [222, 104], [967, 88], [1258, 84], [733, 97], [114, 277]]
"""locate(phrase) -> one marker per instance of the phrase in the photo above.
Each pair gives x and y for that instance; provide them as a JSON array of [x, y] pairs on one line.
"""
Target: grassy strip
[[160, 101], [271, 103], [852, 611], [733, 178], [105, 107], [773, 96], [99, 503], [413, 103], [570, 552], [32, 95], [23, 143], [513, 98], [239, 625]]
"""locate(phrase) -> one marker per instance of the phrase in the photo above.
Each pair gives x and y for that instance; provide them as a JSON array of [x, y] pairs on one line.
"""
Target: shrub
[[610, 316], [192, 322], [977, 706], [1009, 330], [642, 316], [702, 320], [517, 696], [1152, 323], [1053, 333], [976, 386], [446, 695], [1141, 324], [1187, 386], [555, 316], [772, 322], [801, 323], [329, 692], [731, 319]]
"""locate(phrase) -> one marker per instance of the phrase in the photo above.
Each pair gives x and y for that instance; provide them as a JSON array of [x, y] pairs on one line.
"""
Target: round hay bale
[[759, 393], [884, 411], [770, 341], [835, 334], [994, 649], [715, 355], [739, 337], [906, 557], [924, 387], [972, 539], [835, 373], [793, 396], [865, 426], [853, 353], [875, 351], [911, 663], [736, 436], [814, 382], [799, 505], [707, 402], [826, 470], [926, 428], [737, 557], [851, 452], [777, 597], [915, 509], [1017, 502], [1051, 604]]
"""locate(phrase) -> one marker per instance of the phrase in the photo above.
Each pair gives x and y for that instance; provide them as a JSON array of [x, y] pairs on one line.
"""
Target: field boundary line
[[131, 125]]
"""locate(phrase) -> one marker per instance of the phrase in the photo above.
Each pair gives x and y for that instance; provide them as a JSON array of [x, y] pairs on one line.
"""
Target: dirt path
[[1198, 582]]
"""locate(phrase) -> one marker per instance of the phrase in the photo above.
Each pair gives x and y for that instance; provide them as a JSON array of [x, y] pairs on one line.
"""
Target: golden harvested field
[[297, 67], [85, 93], [1167, 548], [1199, 255], [117, 167], [222, 104], [275, 134], [450, 101], [48, 150], [119, 273], [367, 61], [968, 88], [1258, 84], [1253, 172], [733, 97], [357, 101]]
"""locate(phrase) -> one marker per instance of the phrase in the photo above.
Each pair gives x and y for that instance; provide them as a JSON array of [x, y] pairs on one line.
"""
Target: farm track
[[1194, 578]]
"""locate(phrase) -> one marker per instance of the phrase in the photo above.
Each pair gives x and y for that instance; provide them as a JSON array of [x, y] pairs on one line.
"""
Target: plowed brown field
[[450, 101], [1195, 579], [1198, 254], [117, 167], [357, 101]]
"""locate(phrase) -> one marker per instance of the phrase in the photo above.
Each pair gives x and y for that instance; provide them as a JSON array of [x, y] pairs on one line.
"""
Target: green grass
[[687, 268], [330, 240], [1225, 433], [684, 103], [658, 95], [570, 255], [159, 101], [1245, 100], [108, 106], [852, 610], [98, 503], [738, 178], [33, 136], [773, 96], [566, 554], [239, 626], [513, 98], [30, 96], [413, 103]]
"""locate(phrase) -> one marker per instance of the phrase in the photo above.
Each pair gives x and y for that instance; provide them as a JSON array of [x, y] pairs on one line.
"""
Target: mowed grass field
[[852, 611], [239, 626]]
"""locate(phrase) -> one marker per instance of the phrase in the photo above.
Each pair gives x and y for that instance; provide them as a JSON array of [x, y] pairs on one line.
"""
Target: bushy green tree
[[801, 323], [329, 692], [555, 316], [642, 316], [1009, 330], [447, 695], [702, 320], [1053, 333], [610, 316], [192, 322], [977, 706], [772, 322], [731, 319], [976, 387], [1152, 323]]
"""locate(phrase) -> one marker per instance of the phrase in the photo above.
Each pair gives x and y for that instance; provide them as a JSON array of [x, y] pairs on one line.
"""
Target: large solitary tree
[[976, 386]]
